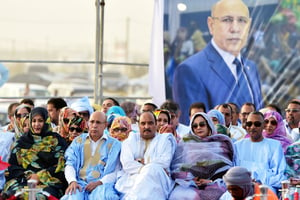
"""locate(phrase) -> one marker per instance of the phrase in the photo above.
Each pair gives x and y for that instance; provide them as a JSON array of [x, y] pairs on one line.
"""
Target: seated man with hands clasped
[[146, 158], [89, 159]]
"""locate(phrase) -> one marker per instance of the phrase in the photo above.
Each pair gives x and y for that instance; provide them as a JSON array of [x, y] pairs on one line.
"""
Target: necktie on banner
[[242, 82]]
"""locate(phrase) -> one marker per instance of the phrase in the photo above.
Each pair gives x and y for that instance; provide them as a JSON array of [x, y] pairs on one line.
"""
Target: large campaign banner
[[273, 42]]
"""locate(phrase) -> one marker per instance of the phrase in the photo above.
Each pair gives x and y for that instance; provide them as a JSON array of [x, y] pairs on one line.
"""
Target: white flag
[[156, 64]]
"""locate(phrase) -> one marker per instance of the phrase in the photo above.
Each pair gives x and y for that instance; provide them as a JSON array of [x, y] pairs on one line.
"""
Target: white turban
[[82, 104]]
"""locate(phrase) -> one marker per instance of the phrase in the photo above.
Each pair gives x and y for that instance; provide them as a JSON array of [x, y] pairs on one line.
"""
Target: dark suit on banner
[[205, 77]]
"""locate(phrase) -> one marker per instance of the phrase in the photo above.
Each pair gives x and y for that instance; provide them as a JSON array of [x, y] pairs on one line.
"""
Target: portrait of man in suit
[[219, 73]]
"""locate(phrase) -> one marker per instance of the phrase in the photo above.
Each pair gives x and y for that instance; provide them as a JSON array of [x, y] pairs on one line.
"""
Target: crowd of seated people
[[114, 155]]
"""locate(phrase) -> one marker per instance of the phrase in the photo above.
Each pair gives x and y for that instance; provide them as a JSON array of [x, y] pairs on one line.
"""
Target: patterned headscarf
[[78, 121], [65, 116], [217, 114], [292, 157], [279, 133], [17, 125], [158, 111], [121, 122], [23, 121]]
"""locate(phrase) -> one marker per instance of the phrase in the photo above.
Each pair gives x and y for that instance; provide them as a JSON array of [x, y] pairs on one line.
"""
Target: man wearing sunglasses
[[292, 119], [264, 157]]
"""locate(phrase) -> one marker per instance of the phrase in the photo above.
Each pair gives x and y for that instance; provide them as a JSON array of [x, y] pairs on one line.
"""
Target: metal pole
[[102, 4], [98, 92], [96, 85]]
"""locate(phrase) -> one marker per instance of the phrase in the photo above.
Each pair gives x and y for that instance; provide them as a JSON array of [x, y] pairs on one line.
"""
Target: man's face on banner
[[229, 25]]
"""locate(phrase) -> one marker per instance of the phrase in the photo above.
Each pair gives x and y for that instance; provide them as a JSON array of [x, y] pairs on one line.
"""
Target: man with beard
[[292, 115], [262, 156], [246, 109], [146, 159]]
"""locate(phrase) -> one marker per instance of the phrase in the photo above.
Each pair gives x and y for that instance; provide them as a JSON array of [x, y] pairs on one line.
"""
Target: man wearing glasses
[[219, 73], [292, 119], [246, 109], [90, 159], [262, 156]]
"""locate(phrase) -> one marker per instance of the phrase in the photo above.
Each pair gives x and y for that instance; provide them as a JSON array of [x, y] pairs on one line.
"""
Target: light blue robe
[[264, 159], [109, 159]]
